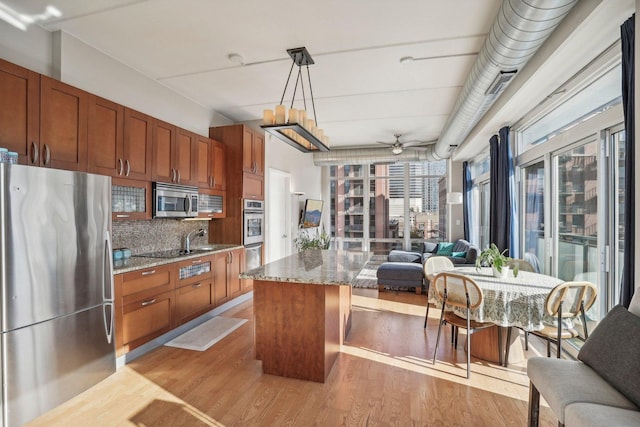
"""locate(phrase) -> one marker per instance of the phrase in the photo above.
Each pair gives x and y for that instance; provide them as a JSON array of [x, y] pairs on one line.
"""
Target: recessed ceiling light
[[236, 58]]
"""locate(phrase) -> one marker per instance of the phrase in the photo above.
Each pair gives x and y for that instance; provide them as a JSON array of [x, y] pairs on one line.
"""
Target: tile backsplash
[[156, 235]]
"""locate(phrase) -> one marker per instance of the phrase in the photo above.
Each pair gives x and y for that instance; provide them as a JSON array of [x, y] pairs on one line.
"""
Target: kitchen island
[[302, 311]]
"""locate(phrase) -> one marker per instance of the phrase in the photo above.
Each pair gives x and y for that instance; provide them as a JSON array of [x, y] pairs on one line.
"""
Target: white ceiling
[[362, 92]]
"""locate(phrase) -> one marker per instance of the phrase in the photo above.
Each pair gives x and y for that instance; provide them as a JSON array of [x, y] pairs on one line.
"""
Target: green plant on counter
[[305, 240], [492, 257]]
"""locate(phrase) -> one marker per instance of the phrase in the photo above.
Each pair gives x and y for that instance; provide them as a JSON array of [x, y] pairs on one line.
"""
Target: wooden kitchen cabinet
[[220, 288], [19, 111], [106, 133], [137, 145], [244, 160], [174, 154], [64, 112], [226, 271], [218, 165], [119, 141], [145, 302], [235, 266], [252, 151], [131, 199], [211, 164], [194, 292]]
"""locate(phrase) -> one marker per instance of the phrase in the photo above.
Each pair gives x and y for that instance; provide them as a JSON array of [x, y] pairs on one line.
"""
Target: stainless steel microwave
[[174, 201]]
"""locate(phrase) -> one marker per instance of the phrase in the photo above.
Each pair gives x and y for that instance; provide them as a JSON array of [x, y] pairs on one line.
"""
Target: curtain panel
[[467, 187], [627, 32]]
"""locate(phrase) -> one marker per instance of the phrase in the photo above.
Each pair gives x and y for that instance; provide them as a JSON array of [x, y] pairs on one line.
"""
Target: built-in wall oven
[[253, 232]]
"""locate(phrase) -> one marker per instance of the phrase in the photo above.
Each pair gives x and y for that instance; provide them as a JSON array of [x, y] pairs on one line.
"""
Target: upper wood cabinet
[[211, 164], [252, 152], [106, 136], [19, 111], [63, 126], [137, 145], [174, 154], [218, 163], [119, 141]]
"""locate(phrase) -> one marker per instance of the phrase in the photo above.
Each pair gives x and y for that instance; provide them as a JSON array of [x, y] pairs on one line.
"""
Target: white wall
[[32, 49], [305, 177], [66, 58], [91, 70]]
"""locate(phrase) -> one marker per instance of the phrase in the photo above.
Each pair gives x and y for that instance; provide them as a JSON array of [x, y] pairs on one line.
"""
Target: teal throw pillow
[[445, 249], [459, 254]]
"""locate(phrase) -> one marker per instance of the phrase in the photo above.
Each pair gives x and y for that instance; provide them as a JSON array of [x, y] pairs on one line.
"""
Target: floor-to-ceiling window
[[383, 207], [533, 180], [571, 162], [576, 212]]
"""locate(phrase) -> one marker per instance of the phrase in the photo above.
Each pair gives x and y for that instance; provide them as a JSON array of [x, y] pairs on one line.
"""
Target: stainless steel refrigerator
[[56, 308]]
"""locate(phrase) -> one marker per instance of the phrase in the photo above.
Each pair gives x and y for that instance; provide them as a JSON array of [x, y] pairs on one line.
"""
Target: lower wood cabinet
[[194, 300], [144, 301], [153, 301]]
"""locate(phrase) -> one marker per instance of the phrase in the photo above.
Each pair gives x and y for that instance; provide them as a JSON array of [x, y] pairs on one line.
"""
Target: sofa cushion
[[459, 254], [563, 382], [634, 305], [612, 351], [592, 414], [429, 247], [444, 249], [404, 256]]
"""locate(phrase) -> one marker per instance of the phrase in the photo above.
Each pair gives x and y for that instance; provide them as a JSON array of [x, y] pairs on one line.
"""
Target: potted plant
[[305, 240], [498, 261]]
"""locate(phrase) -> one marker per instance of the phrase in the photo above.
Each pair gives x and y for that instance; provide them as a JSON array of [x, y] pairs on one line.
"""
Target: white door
[[278, 216]]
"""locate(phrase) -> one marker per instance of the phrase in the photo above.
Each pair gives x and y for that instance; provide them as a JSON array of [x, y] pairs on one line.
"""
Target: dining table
[[508, 302]]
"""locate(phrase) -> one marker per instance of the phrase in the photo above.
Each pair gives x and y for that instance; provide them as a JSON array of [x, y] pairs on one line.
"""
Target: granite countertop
[[321, 267], [139, 263]]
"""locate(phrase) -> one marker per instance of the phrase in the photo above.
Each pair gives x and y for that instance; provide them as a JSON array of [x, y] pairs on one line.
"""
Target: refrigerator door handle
[[107, 288], [107, 315]]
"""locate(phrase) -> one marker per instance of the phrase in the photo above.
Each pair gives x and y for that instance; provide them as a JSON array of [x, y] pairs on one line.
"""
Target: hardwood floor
[[383, 376]]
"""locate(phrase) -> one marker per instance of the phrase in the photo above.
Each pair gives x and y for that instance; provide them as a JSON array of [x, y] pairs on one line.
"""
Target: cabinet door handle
[[128, 168], [196, 261], [178, 175], [34, 153], [122, 216], [196, 285], [214, 182], [47, 154], [173, 175], [121, 169], [151, 301], [147, 273]]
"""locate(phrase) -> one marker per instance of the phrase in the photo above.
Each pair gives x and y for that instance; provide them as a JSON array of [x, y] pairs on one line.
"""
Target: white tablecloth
[[511, 301]]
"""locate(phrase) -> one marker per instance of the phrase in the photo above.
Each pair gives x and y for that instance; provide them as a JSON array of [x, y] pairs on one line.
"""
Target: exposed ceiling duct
[[519, 29], [371, 156]]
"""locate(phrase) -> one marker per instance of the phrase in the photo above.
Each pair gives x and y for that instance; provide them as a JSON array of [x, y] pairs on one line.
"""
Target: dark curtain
[[466, 201], [499, 206], [628, 89]]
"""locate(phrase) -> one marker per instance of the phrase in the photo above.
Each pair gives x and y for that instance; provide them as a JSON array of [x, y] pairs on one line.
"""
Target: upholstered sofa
[[602, 387], [459, 252]]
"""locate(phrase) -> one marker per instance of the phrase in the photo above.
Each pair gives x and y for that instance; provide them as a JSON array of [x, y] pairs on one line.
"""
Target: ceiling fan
[[398, 147]]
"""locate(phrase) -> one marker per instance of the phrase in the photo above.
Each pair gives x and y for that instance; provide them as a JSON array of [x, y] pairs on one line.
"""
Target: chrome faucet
[[187, 240]]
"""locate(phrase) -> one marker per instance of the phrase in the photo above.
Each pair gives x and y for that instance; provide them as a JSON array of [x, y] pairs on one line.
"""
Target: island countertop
[[320, 267]]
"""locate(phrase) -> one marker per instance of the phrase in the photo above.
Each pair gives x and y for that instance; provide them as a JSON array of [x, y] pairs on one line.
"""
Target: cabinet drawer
[[193, 270], [147, 318], [193, 300], [142, 280]]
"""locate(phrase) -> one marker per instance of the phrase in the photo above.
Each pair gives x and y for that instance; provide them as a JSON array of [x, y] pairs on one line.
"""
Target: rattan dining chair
[[521, 264], [565, 301], [458, 291], [432, 266]]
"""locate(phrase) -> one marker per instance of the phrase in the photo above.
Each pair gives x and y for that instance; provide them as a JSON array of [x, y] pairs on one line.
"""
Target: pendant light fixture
[[295, 127]]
